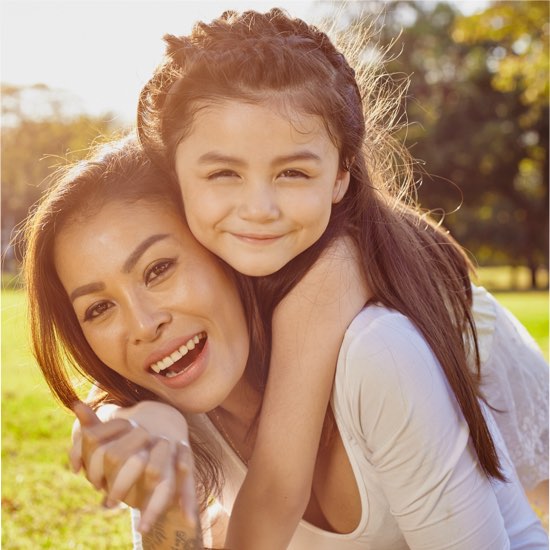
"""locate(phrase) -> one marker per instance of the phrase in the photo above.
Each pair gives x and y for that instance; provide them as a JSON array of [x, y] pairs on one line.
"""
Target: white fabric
[[514, 382], [409, 448]]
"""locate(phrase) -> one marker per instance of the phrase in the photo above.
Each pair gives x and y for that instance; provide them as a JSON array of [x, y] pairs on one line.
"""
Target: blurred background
[[71, 71]]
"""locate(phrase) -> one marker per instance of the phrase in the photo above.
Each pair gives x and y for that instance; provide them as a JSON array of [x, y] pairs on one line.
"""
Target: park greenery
[[477, 107], [44, 504], [477, 110]]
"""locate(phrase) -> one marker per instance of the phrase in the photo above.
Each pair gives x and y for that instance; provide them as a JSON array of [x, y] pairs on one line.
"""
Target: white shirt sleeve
[[418, 442]]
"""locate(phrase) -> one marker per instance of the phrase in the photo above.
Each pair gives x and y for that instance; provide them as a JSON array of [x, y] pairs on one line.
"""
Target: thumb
[[86, 416]]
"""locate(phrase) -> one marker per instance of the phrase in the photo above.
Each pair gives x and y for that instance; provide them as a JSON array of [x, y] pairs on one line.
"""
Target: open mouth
[[179, 360]]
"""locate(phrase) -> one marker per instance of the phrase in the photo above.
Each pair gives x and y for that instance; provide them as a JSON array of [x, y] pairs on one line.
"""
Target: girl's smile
[[166, 314], [258, 186]]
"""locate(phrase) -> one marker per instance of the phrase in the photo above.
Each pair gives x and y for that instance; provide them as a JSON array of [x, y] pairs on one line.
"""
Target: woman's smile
[[182, 367]]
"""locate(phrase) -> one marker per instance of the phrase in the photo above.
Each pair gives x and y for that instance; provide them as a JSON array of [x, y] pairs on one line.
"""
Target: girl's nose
[[147, 321], [258, 203]]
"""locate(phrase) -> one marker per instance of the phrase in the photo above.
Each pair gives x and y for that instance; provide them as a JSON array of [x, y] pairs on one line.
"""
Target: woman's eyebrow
[[140, 249], [128, 265], [86, 289]]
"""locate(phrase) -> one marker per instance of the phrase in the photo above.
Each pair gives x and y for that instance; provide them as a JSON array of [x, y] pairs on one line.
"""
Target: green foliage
[[44, 504], [34, 145], [478, 114], [520, 31]]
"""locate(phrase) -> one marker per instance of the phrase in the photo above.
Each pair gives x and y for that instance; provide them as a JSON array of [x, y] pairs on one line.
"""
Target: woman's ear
[[341, 185]]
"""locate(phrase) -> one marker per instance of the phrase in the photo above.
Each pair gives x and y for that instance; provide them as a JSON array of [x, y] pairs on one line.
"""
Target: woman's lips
[[192, 366], [164, 364]]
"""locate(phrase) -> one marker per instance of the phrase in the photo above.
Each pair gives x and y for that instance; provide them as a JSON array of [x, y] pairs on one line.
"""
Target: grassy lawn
[[531, 308], [44, 505]]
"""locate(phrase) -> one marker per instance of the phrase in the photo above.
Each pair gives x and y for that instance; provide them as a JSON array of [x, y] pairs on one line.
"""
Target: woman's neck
[[242, 405]]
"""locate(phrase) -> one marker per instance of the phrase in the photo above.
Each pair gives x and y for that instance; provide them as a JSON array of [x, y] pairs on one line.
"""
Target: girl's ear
[[341, 185]]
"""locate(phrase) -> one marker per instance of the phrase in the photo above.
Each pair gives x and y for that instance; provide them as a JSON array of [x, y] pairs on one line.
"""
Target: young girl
[[117, 285], [289, 173]]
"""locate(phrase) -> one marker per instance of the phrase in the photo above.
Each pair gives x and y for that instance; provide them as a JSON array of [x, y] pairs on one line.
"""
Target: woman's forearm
[[173, 532]]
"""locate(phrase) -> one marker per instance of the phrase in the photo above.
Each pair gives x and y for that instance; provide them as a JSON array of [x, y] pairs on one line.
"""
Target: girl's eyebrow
[[128, 265], [214, 156]]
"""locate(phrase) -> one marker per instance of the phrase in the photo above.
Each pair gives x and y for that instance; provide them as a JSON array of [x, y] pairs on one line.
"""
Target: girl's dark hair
[[117, 171], [410, 264]]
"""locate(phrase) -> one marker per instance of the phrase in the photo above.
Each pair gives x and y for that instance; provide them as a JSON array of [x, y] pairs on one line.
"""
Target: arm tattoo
[[186, 542], [157, 538]]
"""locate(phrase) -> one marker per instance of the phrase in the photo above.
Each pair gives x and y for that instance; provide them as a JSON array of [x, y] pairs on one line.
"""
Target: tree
[[38, 136], [478, 120], [515, 38]]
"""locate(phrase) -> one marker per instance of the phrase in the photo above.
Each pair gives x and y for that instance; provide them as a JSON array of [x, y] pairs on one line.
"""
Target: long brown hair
[[117, 171], [410, 263]]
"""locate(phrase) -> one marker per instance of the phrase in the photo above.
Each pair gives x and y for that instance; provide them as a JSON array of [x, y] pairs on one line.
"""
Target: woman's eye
[[157, 270], [96, 310], [293, 174]]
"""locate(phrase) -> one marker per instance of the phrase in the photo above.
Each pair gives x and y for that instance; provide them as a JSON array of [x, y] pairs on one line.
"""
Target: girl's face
[[258, 187], [153, 304]]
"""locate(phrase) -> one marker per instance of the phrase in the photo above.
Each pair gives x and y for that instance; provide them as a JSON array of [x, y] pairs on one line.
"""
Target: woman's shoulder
[[383, 347], [388, 381], [378, 327]]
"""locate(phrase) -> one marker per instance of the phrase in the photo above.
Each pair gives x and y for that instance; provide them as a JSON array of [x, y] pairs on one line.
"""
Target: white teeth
[[169, 360], [176, 356]]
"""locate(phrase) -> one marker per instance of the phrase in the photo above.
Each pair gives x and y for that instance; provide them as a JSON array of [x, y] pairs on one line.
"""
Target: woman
[[118, 285]]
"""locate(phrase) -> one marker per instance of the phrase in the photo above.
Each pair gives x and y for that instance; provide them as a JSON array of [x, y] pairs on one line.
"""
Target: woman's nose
[[147, 321], [258, 203]]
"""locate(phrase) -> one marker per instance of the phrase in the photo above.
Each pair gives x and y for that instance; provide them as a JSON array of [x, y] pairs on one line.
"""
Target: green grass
[[45, 505], [531, 308]]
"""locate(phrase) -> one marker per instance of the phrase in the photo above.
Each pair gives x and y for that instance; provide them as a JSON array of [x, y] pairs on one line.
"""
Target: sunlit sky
[[102, 52]]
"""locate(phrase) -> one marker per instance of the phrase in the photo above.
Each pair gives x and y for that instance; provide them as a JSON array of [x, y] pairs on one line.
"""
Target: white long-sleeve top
[[408, 443]]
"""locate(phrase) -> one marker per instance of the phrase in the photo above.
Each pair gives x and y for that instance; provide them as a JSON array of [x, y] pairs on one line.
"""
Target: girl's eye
[[220, 174], [96, 310], [293, 174], [158, 270]]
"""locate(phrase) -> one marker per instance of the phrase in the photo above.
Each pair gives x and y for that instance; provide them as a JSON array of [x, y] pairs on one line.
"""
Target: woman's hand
[[141, 457]]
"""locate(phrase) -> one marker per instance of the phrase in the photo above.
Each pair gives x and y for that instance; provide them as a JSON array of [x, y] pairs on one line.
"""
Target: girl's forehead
[[289, 108]]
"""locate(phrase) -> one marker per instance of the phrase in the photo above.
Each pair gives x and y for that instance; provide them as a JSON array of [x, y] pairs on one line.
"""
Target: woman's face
[[154, 305]]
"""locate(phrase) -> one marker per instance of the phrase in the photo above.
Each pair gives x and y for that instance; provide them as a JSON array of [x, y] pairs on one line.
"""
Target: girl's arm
[[308, 328]]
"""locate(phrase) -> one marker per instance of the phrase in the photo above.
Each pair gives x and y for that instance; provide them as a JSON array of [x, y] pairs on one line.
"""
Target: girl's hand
[[147, 471]]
